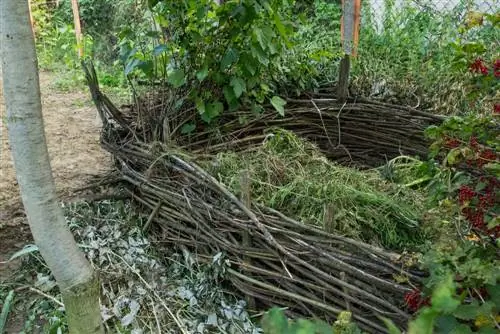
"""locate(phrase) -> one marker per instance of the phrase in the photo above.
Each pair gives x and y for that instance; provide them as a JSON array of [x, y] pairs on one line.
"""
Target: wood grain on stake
[[349, 30], [349, 26]]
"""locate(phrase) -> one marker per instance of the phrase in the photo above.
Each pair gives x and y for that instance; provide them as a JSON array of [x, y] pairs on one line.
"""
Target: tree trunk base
[[82, 306]]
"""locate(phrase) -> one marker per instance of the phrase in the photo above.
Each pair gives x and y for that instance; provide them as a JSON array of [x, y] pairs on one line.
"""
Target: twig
[[177, 321], [152, 216]]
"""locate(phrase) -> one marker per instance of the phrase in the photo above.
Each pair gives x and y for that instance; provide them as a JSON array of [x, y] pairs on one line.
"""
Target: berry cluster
[[477, 204], [414, 300], [465, 194], [480, 67], [451, 143], [482, 155]]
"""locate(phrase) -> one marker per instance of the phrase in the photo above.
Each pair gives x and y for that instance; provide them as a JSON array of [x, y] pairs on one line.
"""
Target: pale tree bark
[[73, 273]]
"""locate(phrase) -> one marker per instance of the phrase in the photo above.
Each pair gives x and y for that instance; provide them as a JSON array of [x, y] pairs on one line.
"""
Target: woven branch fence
[[275, 260]]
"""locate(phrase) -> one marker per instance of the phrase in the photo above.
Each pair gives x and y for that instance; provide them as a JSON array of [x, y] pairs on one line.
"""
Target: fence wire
[[384, 13]]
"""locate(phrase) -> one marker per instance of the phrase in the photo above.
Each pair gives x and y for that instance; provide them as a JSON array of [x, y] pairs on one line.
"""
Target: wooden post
[[245, 186], [343, 85], [78, 27], [349, 31], [328, 218], [346, 292], [32, 21]]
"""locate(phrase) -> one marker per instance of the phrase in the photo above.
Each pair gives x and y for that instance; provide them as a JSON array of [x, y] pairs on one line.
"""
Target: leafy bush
[[312, 59], [466, 183], [101, 20], [461, 293], [221, 53]]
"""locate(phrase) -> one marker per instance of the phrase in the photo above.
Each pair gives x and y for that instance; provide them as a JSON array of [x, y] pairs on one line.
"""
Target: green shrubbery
[[461, 293]]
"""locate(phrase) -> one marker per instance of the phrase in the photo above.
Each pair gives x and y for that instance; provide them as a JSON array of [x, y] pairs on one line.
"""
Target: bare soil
[[76, 157]]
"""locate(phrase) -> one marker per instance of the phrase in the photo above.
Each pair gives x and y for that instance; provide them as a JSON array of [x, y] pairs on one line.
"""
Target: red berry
[[496, 108], [473, 142], [496, 68], [478, 66], [414, 300], [452, 143], [485, 157], [478, 220], [465, 194]]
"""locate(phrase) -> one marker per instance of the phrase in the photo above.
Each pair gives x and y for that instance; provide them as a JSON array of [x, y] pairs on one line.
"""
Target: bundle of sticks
[[360, 132], [275, 260]]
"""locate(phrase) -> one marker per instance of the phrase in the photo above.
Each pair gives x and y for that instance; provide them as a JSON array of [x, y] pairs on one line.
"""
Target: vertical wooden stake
[[343, 86], [247, 240], [349, 31], [78, 27], [328, 219], [347, 304], [32, 21]]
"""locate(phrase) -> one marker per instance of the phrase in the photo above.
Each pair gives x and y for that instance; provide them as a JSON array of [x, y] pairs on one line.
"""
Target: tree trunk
[[74, 275]]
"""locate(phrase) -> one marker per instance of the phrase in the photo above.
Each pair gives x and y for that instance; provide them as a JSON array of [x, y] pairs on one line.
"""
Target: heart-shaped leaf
[[279, 104], [177, 78]]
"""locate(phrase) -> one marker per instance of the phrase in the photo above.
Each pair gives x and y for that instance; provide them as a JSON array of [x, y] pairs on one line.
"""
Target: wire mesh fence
[[384, 13]]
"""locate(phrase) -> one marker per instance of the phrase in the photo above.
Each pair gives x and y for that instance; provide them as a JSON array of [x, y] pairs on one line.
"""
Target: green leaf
[[159, 49], [259, 54], [202, 74], [321, 327], [206, 118], [257, 108], [26, 250], [230, 57], [302, 326], [281, 29], [494, 292], [473, 310], [462, 329], [188, 128], [152, 3], [200, 106], [231, 99], [467, 312], [262, 37], [249, 64], [214, 109], [238, 85], [446, 324], [453, 156], [443, 296], [146, 67], [131, 65], [424, 323], [7, 304], [278, 104], [275, 321], [391, 327], [177, 78]]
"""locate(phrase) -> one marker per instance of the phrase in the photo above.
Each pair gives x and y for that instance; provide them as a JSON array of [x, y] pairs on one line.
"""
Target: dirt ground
[[72, 134]]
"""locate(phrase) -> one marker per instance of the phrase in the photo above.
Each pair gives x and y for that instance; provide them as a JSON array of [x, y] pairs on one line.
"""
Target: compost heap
[[274, 259]]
